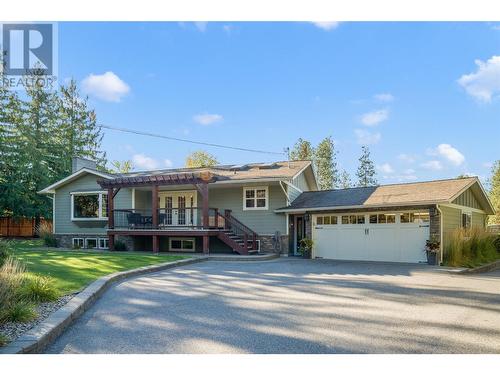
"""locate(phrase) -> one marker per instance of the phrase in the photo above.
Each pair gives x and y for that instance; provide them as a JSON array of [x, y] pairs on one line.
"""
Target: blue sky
[[425, 97]]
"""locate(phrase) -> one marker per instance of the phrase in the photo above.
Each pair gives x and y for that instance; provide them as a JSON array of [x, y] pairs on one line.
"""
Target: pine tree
[[302, 150], [494, 192], [326, 165], [345, 180], [366, 171]]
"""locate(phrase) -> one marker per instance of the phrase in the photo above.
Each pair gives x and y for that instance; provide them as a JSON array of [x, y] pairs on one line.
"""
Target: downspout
[[440, 234]]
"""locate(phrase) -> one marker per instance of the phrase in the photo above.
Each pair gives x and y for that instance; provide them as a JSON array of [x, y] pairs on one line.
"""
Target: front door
[[178, 208], [300, 232]]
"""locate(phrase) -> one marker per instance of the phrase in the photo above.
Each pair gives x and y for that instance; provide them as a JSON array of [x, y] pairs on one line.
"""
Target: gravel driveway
[[293, 306]]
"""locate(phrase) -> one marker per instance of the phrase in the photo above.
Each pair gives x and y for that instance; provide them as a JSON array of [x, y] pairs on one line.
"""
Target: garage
[[388, 236]]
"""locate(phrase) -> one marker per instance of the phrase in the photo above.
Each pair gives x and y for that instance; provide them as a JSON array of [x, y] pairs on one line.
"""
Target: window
[[415, 217], [89, 206], [77, 243], [382, 218], [255, 198], [353, 219], [91, 243], [466, 219], [103, 243], [326, 220], [182, 244]]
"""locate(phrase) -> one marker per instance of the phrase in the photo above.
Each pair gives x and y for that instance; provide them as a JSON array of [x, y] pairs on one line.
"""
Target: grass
[[471, 248], [71, 271]]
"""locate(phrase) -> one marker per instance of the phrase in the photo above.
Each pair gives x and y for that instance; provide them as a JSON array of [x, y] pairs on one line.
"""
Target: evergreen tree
[[302, 150], [200, 159], [326, 165], [494, 192], [366, 171], [345, 180]]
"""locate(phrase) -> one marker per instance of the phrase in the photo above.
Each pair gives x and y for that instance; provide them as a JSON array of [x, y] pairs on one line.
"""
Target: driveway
[[293, 306]]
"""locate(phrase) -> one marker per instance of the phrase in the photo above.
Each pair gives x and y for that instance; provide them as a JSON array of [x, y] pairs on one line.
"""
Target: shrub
[[20, 311], [44, 230], [120, 246], [496, 242], [470, 247], [3, 340], [38, 289], [5, 251]]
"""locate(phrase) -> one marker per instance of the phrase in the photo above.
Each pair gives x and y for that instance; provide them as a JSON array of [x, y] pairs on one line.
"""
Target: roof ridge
[[398, 184]]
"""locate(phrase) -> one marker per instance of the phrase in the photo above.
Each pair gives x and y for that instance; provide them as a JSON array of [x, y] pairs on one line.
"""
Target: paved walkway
[[293, 306]]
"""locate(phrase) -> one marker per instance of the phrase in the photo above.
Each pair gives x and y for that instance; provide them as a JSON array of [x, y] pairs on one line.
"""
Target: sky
[[425, 97]]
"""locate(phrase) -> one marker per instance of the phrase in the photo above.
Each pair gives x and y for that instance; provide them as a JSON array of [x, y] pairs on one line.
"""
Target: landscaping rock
[[13, 330]]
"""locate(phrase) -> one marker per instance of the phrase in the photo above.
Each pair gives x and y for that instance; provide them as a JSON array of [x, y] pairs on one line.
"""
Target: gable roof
[[282, 170], [408, 194], [51, 189]]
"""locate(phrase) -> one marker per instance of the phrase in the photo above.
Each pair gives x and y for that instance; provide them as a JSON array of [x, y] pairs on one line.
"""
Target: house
[[386, 223], [260, 206], [219, 209]]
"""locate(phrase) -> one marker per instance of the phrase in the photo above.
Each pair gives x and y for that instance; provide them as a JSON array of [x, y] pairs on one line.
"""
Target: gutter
[[440, 234]]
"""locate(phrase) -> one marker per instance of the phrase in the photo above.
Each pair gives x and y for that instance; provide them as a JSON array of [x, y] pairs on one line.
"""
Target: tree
[[495, 192], [199, 159], [121, 166], [366, 171], [326, 164], [345, 180], [302, 150]]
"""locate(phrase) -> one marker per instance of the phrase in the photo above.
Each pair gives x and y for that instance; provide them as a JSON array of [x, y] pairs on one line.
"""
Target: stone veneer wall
[[267, 244], [435, 224]]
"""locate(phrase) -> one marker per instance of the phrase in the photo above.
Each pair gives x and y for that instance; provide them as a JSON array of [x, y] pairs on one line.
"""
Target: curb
[[485, 268], [243, 258], [43, 334]]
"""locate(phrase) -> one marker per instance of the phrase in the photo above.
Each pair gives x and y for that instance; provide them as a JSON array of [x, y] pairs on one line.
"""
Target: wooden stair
[[237, 235]]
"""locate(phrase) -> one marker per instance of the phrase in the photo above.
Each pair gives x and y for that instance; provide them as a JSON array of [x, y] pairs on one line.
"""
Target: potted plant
[[305, 247], [431, 250]]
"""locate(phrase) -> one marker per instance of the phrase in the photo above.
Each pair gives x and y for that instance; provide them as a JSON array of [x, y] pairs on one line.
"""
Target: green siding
[[467, 199], [301, 182], [452, 219], [88, 182], [261, 221], [478, 220]]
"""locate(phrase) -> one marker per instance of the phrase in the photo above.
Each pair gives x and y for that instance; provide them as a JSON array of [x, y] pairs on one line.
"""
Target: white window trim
[[193, 240], [467, 212], [99, 243], [78, 239], [246, 188], [100, 193], [96, 243]]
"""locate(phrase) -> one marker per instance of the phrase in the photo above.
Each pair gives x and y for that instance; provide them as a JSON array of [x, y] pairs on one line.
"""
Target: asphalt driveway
[[293, 306]]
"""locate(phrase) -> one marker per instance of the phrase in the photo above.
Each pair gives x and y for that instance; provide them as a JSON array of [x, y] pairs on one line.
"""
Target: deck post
[[216, 218], [204, 193], [156, 247], [111, 215], [206, 241], [111, 244], [154, 207]]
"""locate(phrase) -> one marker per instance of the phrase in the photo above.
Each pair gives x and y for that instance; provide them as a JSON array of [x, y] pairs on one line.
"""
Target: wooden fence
[[20, 227]]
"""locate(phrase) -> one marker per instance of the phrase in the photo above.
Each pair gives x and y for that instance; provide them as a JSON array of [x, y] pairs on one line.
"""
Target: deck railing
[[166, 218]]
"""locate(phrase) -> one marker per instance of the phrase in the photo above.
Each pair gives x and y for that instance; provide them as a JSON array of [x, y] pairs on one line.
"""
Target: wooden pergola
[[199, 180]]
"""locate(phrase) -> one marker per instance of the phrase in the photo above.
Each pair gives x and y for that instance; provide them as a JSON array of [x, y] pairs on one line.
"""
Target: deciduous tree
[[200, 159]]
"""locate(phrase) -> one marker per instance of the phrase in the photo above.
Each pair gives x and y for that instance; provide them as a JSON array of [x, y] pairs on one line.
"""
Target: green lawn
[[73, 270]]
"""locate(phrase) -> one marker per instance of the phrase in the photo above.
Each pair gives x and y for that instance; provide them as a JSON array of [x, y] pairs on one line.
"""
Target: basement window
[[181, 244]]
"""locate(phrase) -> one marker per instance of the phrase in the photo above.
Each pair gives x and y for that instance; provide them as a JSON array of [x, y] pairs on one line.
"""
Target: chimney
[[79, 163]]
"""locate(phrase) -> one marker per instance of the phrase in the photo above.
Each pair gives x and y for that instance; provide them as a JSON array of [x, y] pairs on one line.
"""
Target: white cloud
[[407, 158], [385, 168], [484, 84], [141, 161], [434, 165], [201, 26], [450, 153], [375, 117], [409, 171], [384, 97], [367, 138], [107, 86], [327, 25], [207, 118]]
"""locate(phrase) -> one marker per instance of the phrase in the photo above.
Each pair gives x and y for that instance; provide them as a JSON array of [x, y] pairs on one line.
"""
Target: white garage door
[[389, 236]]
